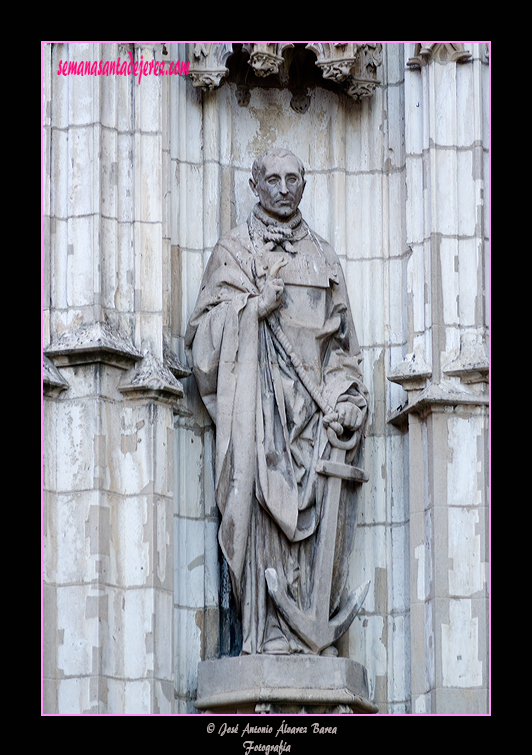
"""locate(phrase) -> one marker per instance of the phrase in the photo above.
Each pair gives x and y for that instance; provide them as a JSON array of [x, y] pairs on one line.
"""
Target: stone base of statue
[[288, 684]]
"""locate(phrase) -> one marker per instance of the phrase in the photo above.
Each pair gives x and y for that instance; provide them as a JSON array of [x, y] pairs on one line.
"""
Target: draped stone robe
[[269, 431]]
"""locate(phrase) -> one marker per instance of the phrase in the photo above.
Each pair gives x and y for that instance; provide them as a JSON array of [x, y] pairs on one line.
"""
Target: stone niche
[[346, 67]]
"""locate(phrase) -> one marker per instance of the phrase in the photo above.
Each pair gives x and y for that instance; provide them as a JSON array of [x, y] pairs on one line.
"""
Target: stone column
[[110, 393], [444, 375]]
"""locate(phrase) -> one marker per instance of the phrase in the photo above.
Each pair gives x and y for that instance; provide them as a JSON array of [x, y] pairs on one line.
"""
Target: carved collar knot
[[272, 232]]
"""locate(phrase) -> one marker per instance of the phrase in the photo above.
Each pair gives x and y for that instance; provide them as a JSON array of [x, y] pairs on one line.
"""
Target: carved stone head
[[278, 180]]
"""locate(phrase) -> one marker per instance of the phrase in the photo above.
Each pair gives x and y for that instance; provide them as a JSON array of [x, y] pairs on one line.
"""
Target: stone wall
[[140, 180]]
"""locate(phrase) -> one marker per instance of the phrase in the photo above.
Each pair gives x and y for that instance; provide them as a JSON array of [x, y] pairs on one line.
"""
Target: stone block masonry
[[141, 177]]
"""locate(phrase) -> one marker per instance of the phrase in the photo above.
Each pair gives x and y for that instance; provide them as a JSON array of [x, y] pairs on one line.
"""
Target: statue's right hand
[[270, 298]]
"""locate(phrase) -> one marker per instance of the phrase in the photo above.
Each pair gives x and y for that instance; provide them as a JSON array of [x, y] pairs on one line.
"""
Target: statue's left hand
[[349, 415]]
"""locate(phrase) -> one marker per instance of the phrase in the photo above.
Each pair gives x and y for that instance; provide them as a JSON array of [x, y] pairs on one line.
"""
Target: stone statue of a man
[[273, 349]]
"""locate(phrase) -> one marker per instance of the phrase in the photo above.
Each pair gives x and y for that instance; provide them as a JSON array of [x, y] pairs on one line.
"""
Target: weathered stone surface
[[351, 64], [273, 349], [140, 180], [92, 342], [53, 381], [300, 681], [151, 377]]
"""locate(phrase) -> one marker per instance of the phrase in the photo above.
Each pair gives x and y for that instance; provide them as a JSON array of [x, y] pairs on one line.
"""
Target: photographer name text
[[250, 746]]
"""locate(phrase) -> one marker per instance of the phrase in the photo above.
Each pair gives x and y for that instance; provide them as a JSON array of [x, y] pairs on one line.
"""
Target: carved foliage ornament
[[443, 52], [351, 64], [266, 57], [207, 63]]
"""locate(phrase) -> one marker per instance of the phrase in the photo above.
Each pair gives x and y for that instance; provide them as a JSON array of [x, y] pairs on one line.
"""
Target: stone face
[[140, 180]]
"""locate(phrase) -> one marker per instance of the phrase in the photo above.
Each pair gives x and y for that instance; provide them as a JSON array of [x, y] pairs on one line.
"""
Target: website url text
[[115, 68]]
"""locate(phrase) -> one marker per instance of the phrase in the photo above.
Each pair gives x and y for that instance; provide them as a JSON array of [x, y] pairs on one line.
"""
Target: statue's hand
[[349, 415], [270, 298]]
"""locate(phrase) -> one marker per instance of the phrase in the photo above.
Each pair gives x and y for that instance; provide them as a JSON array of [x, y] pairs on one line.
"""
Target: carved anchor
[[314, 626]]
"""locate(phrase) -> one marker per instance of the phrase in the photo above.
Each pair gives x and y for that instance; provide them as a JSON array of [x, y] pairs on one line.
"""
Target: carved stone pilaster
[[151, 378], [335, 59], [442, 52], [354, 65], [207, 63], [53, 382], [266, 57], [90, 343], [435, 396], [412, 373], [472, 364], [171, 360], [145, 375]]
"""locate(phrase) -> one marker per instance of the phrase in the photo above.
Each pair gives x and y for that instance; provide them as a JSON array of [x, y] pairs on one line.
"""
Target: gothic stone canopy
[[350, 65]]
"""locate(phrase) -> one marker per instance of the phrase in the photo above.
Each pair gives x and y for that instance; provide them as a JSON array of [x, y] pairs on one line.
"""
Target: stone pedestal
[[283, 684]]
